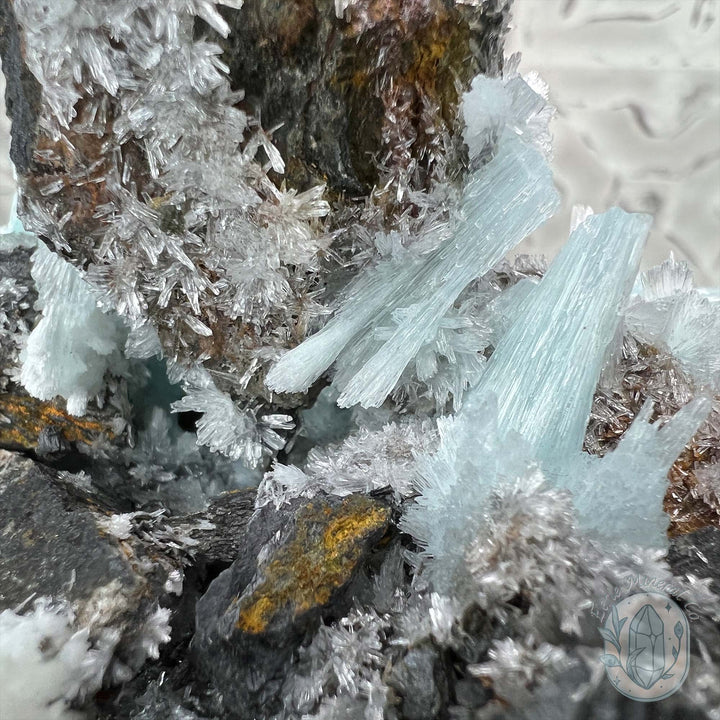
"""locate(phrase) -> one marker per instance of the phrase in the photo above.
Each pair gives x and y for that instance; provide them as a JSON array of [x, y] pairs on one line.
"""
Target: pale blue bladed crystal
[[501, 205], [545, 369], [530, 409], [621, 494], [502, 202]]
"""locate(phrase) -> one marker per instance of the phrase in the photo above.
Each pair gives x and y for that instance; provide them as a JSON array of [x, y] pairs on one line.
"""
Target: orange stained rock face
[[28, 416], [688, 511], [321, 557]]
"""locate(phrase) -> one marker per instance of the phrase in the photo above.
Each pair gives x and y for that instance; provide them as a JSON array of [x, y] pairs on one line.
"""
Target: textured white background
[[637, 87]]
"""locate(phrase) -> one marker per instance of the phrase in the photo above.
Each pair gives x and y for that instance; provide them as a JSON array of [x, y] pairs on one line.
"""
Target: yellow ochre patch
[[28, 417], [319, 559]]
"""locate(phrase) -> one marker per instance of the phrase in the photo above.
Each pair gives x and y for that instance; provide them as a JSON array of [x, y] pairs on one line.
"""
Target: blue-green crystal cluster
[[512, 424]]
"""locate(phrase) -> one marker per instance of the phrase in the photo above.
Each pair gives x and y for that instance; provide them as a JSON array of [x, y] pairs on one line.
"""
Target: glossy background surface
[[637, 87]]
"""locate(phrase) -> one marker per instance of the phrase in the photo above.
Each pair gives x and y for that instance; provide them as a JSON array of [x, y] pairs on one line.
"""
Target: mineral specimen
[[295, 567], [532, 404], [57, 544], [74, 343], [400, 306], [285, 436]]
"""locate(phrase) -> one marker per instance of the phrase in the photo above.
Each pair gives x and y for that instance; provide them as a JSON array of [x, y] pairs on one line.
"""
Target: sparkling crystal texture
[[545, 368], [75, 343], [531, 407], [339, 455], [397, 307]]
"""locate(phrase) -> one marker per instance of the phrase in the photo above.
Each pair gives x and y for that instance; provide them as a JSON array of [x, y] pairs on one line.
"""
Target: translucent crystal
[[170, 467], [531, 407], [425, 288], [670, 314], [224, 426], [210, 260], [342, 661], [515, 665], [545, 368], [636, 471], [396, 308], [75, 343], [366, 461], [212, 238], [472, 460], [513, 102]]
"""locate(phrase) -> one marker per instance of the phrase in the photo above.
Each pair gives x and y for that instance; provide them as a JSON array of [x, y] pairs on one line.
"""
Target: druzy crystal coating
[[279, 412]]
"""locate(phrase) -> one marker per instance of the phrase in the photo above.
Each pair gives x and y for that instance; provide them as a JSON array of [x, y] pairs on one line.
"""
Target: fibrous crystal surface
[[285, 435], [398, 307]]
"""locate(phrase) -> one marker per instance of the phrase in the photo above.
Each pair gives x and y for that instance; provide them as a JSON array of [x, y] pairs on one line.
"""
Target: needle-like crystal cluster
[[205, 245], [403, 310], [74, 343], [276, 410]]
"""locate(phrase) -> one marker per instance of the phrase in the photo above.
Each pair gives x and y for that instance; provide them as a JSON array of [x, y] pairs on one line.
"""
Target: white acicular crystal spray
[[224, 427], [46, 662], [74, 343], [518, 104], [670, 314], [502, 203]]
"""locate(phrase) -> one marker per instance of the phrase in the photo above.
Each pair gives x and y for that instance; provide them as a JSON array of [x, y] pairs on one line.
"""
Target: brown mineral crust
[[348, 94], [410, 77], [689, 512], [78, 162], [342, 96], [23, 420], [318, 561]]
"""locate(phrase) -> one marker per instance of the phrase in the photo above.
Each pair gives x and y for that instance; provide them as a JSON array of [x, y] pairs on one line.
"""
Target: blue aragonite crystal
[[646, 653], [530, 409], [502, 203], [636, 471], [398, 306], [545, 369]]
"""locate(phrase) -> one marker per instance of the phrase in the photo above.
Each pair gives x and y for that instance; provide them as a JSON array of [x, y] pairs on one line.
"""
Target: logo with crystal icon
[[647, 646]]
